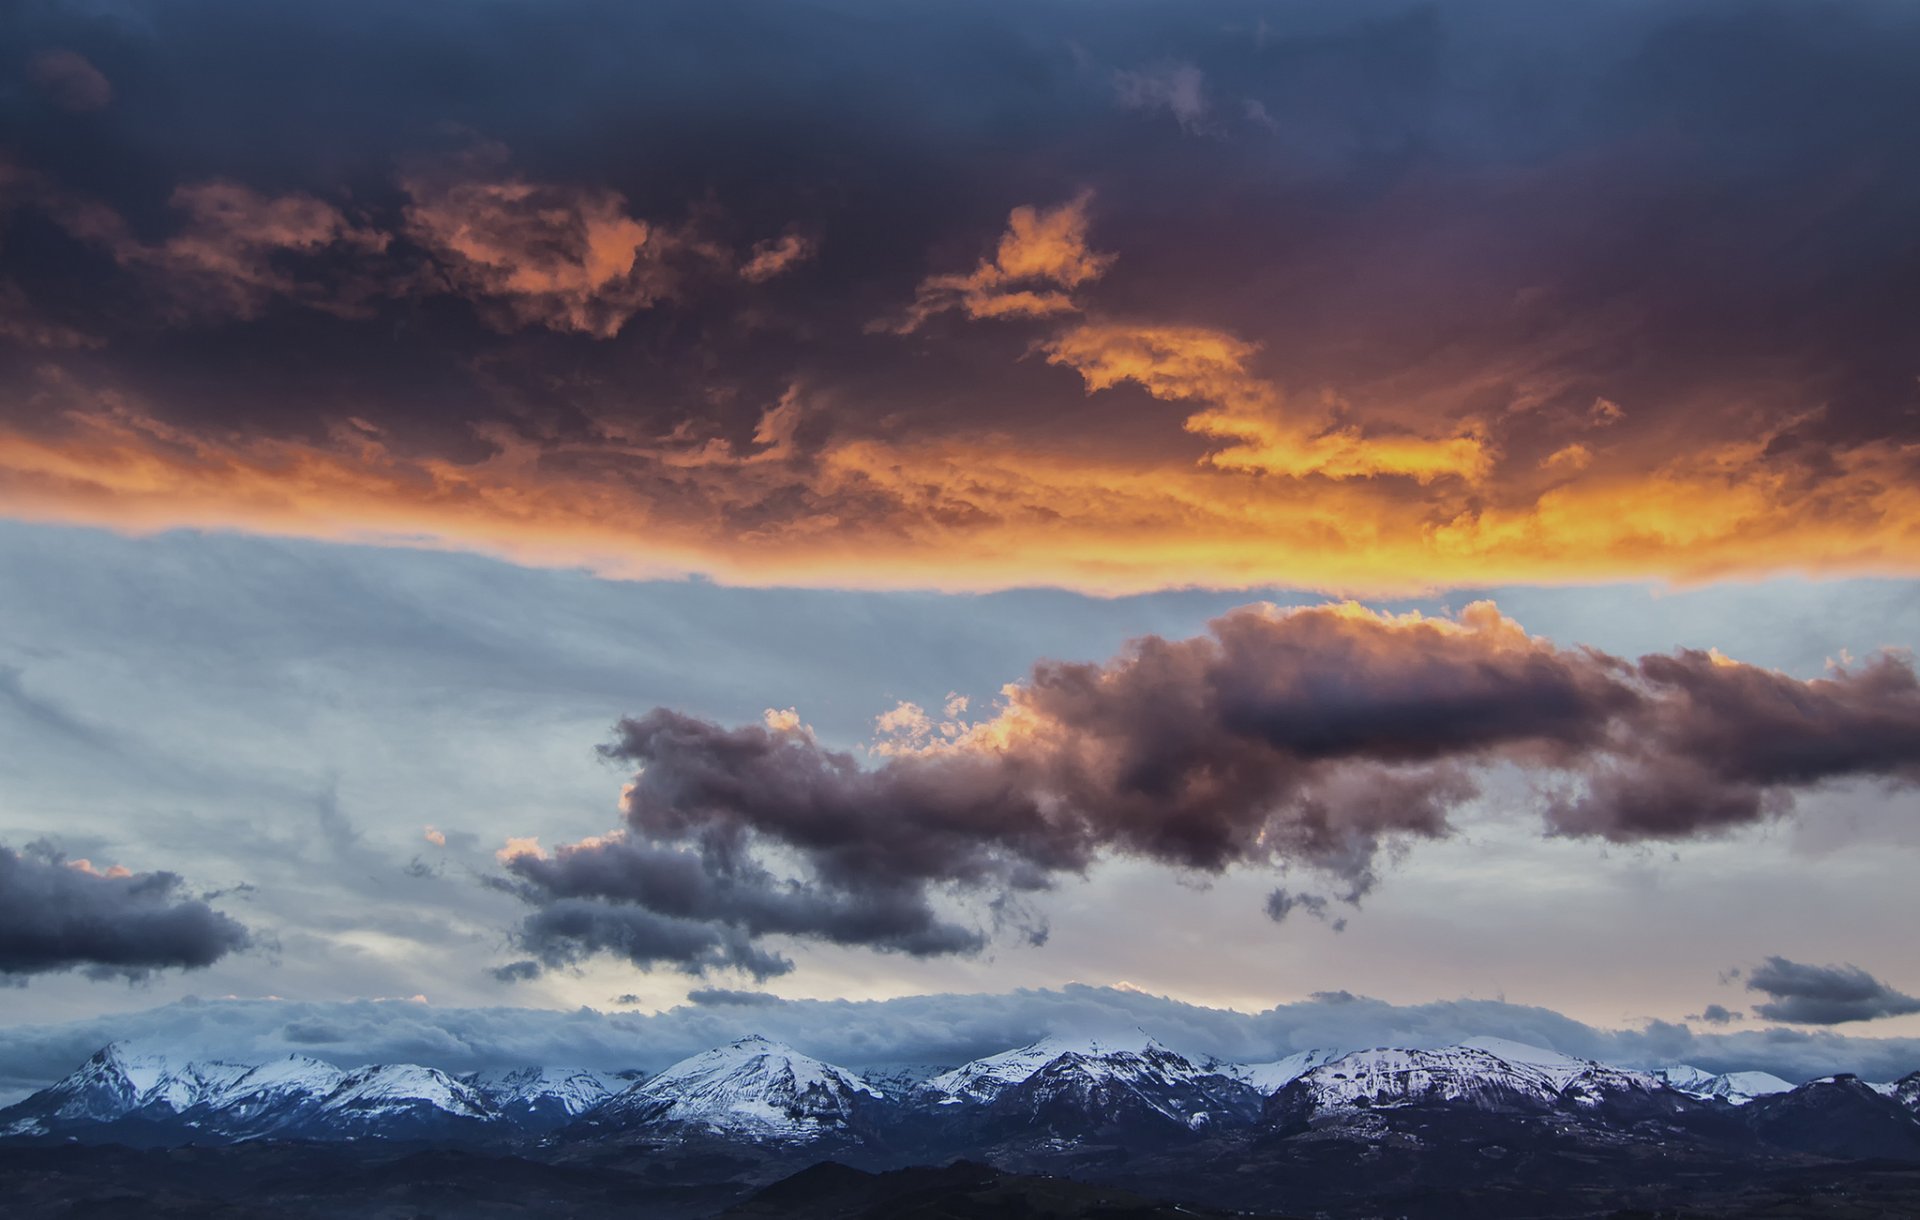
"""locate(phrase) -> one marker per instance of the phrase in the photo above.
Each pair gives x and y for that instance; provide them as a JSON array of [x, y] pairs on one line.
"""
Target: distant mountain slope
[[754, 1089], [1094, 1086], [1734, 1088], [1837, 1116], [1487, 1074], [539, 1098]]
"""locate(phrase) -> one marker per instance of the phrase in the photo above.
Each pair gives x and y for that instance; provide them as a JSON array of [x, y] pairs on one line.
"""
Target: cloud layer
[[58, 914], [1310, 737], [926, 1030]]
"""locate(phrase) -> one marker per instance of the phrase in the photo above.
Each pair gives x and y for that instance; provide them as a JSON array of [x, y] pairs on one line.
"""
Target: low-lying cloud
[[1309, 737], [1824, 995], [58, 914], [938, 1029]]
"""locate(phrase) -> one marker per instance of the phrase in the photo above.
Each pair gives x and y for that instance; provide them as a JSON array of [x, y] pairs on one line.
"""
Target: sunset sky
[[707, 507]]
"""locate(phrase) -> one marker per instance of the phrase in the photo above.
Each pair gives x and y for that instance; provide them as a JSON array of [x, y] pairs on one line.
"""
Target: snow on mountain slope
[[121, 1082], [1066, 1085], [1270, 1078], [898, 1080], [397, 1100], [1581, 1081], [1386, 1076], [1734, 1088], [985, 1079], [1484, 1073], [110, 1085], [1906, 1091], [404, 1086], [753, 1087], [264, 1098], [545, 1097], [191, 1083]]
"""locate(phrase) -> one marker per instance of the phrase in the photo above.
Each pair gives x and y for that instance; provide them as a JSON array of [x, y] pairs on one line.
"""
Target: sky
[[566, 529]]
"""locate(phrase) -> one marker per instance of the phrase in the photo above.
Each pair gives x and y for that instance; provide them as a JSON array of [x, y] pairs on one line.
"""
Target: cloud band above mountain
[[920, 1029]]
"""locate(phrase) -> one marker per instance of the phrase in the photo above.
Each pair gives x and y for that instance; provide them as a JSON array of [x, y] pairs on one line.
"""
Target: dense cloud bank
[[59, 914], [1306, 737], [1823, 995], [920, 1030]]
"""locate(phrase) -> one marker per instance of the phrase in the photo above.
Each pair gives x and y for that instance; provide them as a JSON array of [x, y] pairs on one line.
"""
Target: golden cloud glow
[[979, 513], [567, 259], [1192, 364], [1041, 258], [1248, 488]]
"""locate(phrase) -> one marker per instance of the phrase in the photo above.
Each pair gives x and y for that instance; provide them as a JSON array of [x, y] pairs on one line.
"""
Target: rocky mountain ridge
[[1127, 1091]]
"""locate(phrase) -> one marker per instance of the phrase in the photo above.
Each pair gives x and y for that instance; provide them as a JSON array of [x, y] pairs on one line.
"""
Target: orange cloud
[[516, 848], [567, 258], [1041, 258], [776, 256], [979, 512], [1194, 364]]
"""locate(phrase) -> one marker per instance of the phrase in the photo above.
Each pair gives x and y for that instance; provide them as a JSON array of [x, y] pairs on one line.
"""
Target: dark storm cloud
[[1824, 995], [703, 909], [590, 245], [58, 914], [1310, 736], [1716, 1014]]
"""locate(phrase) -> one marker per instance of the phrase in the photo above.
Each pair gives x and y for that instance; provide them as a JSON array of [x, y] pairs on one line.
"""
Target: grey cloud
[[58, 914], [937, 1029], [1716, 1014], [1312, 736], [721, 997], [1282, 902], [1824, 995], [1179, 89], [564, 931]]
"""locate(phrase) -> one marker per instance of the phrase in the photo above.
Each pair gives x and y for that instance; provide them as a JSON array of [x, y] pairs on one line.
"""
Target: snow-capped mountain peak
[[542, 1096], [113, 1082], [1068, 1083], [1581, 1081], [399, 1085], [1273, 1076], [1486, 1073], [1390, 1076], [1735, 1088], [984, 1079], [1562, 1069], [752, 1086]]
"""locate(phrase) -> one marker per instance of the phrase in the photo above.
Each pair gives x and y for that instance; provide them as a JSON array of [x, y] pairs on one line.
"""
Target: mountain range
[[757, 1091], [1126, 1112]]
